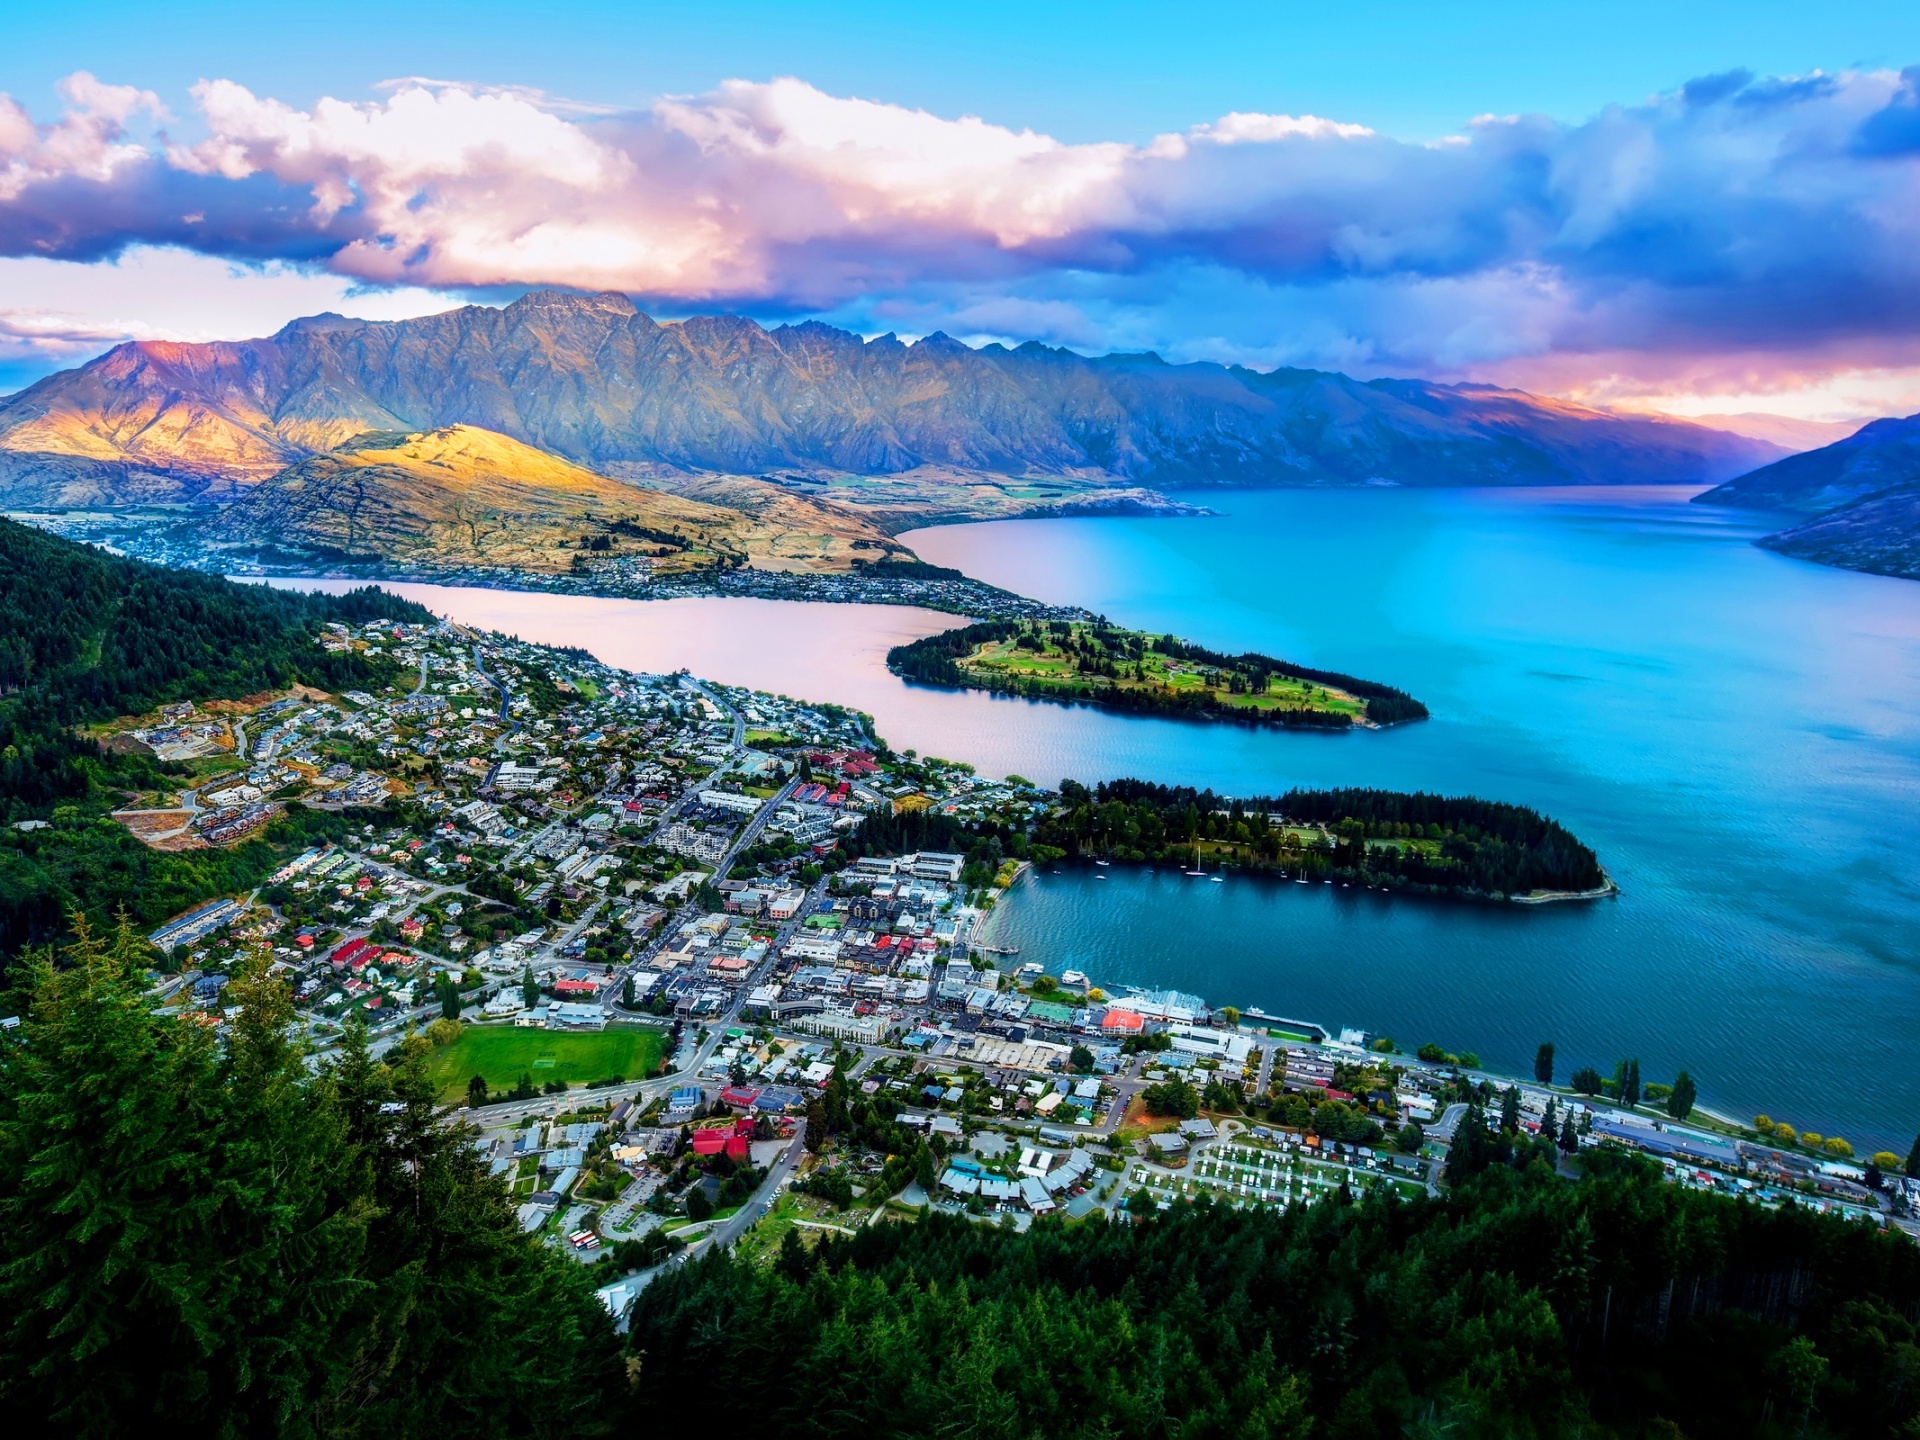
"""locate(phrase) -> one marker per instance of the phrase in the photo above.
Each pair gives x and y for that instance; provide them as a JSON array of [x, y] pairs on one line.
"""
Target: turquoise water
[[1737, 734]]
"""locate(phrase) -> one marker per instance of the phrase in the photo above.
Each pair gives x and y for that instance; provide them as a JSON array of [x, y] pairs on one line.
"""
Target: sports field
[[504, 1053]]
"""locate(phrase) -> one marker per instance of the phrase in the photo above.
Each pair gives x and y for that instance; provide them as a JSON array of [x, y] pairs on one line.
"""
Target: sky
[[1703, 208]]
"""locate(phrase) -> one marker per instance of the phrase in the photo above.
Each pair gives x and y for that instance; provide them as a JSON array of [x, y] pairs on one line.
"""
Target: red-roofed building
[[576, 987], [343, 957], [732, 1141], [1123, 1022]]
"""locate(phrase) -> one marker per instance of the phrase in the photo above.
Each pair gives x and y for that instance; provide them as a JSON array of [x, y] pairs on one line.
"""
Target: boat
[[1218, 879], [1072, 977], [1101, 863], [1099, 877]]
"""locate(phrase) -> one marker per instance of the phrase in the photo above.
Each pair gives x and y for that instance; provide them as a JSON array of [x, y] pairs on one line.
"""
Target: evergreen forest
[[86, 636], [1425, 843]]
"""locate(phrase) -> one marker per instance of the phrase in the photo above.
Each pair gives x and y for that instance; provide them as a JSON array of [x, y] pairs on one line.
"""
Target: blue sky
[[1698, 206], [1081, 72]]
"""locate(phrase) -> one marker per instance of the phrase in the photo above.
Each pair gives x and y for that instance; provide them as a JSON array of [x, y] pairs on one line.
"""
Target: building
[[728, 800], [1221, 1044], [735, 1141], [508, 775], [196, 924], [844, 1025], [937, 865]]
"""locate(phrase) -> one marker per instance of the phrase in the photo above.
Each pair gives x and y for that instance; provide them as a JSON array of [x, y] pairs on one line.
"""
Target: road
[[1268, 1049], [742, 1219], [506, 699]]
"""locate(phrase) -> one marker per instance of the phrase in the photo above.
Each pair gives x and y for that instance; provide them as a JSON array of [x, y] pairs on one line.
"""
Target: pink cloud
[[1765, 218]]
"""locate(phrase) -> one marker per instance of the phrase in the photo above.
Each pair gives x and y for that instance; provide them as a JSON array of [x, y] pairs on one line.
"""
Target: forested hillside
[[205, 1237], [1422, 842], [1522, 1305], [85, 636]]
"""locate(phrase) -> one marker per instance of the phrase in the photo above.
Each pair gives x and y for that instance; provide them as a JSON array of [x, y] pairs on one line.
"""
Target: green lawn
[[1055, 666], [503, 1053]]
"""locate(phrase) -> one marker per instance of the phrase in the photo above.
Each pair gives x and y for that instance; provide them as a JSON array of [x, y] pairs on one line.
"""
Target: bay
[[1736, 733]]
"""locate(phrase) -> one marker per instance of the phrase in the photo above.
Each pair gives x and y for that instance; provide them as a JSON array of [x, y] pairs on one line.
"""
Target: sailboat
[[1196, 870]]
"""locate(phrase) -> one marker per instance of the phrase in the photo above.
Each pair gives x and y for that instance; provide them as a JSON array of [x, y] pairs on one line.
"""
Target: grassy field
[[1150, 671], [503, 1053]]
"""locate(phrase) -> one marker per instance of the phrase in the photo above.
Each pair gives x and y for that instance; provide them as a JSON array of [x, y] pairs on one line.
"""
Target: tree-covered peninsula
[[1094, 663], [1432, 844]]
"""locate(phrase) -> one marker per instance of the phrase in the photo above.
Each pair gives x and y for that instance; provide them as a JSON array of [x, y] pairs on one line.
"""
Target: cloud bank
[[1737, 228]]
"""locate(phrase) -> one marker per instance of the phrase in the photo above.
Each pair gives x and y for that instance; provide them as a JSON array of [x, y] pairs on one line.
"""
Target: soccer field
[[504, 1053]]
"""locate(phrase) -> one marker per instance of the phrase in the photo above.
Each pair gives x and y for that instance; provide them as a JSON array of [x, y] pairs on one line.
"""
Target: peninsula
[[1094, 663]]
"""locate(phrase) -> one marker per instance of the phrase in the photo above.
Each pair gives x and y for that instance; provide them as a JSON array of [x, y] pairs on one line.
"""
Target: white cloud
[[55, 312], [1759, 217]]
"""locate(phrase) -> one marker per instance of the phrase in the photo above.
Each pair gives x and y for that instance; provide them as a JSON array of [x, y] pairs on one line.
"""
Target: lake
[[1736, 734]]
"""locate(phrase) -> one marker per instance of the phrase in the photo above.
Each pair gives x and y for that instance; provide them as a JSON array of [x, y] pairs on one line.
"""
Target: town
[[702, 967]]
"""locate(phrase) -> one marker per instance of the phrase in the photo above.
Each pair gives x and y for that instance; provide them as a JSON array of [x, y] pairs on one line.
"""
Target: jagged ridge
[[593, 379]]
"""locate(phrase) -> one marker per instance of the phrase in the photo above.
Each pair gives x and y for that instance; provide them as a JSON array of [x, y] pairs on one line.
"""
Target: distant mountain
[[592, 379], [1782, 430], [1876, 456], [1863, 494], [461, 496]]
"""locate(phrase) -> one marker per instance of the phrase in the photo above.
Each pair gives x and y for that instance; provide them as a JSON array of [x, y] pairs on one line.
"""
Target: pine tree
[[1626, 1082], [224, 1240], [1543, 1063], [1680, 1102], [1912, 1168], [1510, 1109], [529, 988], [1569, 1137]]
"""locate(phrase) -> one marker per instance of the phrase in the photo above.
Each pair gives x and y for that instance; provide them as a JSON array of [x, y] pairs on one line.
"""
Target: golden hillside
[[463, 496]]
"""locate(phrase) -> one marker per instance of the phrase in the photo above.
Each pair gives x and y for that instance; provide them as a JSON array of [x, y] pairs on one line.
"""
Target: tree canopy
[[1520, 1305], [214, 1238]]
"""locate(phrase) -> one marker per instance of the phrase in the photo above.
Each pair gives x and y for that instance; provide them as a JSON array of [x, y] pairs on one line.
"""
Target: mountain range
[[592, 379], [1860, 497]]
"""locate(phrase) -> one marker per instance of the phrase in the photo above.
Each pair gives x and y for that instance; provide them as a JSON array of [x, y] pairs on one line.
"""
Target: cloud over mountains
[[1763, 219]]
